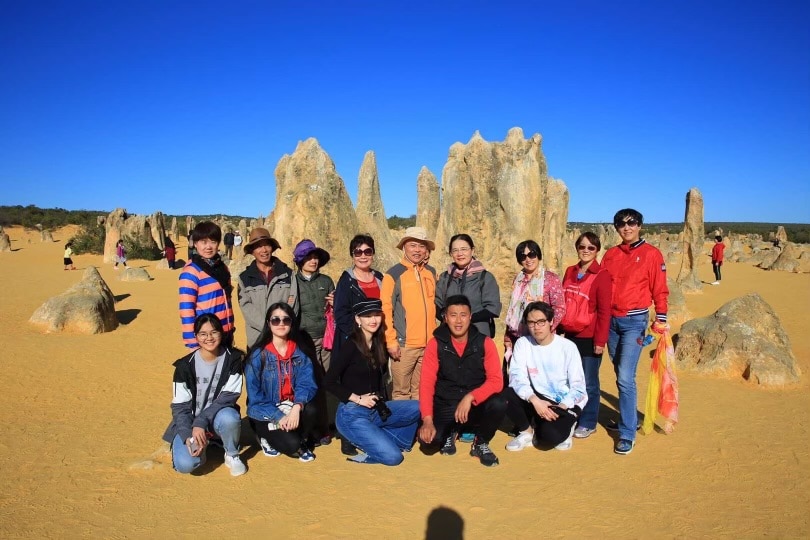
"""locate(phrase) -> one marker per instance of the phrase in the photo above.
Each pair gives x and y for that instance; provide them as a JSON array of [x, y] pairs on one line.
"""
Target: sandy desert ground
[[83, 414]]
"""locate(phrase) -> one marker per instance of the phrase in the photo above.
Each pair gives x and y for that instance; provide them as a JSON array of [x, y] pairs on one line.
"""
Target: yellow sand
[[78, 411]]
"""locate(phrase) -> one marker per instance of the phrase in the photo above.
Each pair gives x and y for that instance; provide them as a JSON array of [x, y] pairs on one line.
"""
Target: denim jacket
[[263, 385]]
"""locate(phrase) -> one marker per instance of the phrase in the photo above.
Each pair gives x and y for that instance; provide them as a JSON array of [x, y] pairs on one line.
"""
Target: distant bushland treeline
[[50, 218]]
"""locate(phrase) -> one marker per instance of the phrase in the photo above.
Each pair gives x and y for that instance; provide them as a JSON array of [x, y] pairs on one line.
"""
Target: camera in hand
[[381, 408]]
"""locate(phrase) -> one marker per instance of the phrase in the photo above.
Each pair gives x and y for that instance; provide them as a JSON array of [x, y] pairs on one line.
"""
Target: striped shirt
[[201, 293]]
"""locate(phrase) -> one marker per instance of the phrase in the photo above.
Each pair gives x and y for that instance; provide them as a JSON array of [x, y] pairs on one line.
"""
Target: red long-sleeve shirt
[[430, 371], [717, 252], [639, 279]]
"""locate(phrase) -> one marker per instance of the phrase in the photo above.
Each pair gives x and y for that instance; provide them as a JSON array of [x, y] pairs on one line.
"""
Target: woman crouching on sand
[[207, 383], [281, 387], [381, 429]]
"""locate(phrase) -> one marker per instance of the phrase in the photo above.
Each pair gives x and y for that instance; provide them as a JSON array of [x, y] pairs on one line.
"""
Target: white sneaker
[[715, 283], [234, 463], [523, 440], [569, 442]]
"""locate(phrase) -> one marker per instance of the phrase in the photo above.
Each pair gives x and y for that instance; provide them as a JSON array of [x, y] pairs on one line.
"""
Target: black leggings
[[485, 417], [716, 268], [549, 432], [288, 442]]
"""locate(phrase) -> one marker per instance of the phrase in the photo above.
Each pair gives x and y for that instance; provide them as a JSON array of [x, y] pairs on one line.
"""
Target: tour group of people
[[408, 353]]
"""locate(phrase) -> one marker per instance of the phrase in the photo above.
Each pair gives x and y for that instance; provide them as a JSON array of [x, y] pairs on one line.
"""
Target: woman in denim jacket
[[281, 387]]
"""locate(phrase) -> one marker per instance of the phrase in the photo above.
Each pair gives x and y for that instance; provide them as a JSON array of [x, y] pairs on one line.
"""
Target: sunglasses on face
[[523, 256], [586, 248], [276, 321], [368, 252], [630, 223]]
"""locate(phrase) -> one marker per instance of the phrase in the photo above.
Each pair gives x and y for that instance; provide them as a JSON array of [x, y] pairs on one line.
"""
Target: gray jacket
[[256, 295], [481, 289]]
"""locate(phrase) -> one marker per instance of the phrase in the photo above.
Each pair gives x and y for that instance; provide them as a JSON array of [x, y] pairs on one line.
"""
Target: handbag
[[329, 331]]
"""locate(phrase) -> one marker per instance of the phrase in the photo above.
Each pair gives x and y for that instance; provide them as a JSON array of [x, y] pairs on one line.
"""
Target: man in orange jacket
[[639, 280], [408, 293]]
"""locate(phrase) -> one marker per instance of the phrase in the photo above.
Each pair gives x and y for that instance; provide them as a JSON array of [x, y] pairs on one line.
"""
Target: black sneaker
[[449, 447], [347, 448], [481, 450]]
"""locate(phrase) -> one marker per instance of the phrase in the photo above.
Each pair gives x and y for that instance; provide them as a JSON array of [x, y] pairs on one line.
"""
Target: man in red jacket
[[639, 279]]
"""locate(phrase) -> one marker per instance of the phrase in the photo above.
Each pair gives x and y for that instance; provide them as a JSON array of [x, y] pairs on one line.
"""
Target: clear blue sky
[[187, 107]]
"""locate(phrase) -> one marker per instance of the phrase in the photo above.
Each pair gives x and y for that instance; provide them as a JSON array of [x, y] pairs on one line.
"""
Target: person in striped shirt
[[205, 285]]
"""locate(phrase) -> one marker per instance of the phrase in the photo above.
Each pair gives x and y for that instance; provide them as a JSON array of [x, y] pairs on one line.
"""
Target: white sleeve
[[518, 369]]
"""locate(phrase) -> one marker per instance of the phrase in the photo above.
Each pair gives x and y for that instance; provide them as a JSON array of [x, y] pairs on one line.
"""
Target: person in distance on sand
[[717, 258]]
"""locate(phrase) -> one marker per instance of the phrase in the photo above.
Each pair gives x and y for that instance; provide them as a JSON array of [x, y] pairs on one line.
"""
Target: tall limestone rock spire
[[312, 202], [428, 203], [371, 217], [693, 234], [500, 194]]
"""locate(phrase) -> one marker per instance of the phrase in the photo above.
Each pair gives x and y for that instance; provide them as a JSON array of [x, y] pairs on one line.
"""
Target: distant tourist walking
[[169, 251], [205, 284], [227, 240], [237, 241], [68, 261], [120, 254], [717, 258]]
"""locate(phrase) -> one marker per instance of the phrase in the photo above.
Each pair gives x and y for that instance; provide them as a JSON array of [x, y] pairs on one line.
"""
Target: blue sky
[[187, 107]]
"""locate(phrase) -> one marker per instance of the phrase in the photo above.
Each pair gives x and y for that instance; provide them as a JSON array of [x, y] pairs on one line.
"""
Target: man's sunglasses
[[275, 321], [368, 252], [531, 255], [630, 223], [586, 248]]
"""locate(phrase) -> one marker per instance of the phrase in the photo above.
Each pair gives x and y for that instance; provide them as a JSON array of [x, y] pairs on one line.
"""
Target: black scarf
[[217, 270]]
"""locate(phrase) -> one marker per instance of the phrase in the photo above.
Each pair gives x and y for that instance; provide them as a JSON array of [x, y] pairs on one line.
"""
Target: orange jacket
[[408, 293]]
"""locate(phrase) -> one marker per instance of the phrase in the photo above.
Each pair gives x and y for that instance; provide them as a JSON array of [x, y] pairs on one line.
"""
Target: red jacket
[[601, 293], [717, 252], [639, 279]]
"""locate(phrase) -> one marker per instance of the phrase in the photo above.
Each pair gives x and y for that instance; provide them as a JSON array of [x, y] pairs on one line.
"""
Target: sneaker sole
[[583, 435]]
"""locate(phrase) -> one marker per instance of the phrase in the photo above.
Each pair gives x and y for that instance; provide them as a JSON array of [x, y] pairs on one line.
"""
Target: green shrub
[[89, 239], [137, 250]]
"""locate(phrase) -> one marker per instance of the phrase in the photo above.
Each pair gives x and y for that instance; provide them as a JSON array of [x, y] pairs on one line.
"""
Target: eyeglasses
[[531, 255], [276, 321], [204, 336], [539, 322], [460, 250], [629, 223], [586, 248], [368, 252]]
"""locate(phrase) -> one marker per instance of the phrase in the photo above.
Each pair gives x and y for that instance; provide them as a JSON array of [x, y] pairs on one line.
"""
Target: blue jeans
[[590, 364], [624, 347], [227, 424], [382, 442]]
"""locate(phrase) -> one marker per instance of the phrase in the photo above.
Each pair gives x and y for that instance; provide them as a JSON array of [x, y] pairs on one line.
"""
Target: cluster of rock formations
[[500, 193]]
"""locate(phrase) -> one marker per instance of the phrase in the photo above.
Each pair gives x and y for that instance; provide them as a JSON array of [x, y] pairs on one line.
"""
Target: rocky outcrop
[[173, 231], [500, 194], [428, 202], [88, 308], [46, 236], [781, 235], [129, 227], [676, 303], [744, 338], [792, 258], [371, 217], [312, 202], [693, 234], [136, 274], [5, 242]]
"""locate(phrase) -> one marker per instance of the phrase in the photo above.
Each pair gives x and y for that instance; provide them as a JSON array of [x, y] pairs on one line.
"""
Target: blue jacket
[[264, 390]]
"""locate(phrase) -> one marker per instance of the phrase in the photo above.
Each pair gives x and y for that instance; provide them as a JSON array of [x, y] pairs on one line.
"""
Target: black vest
[[458, 375]]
